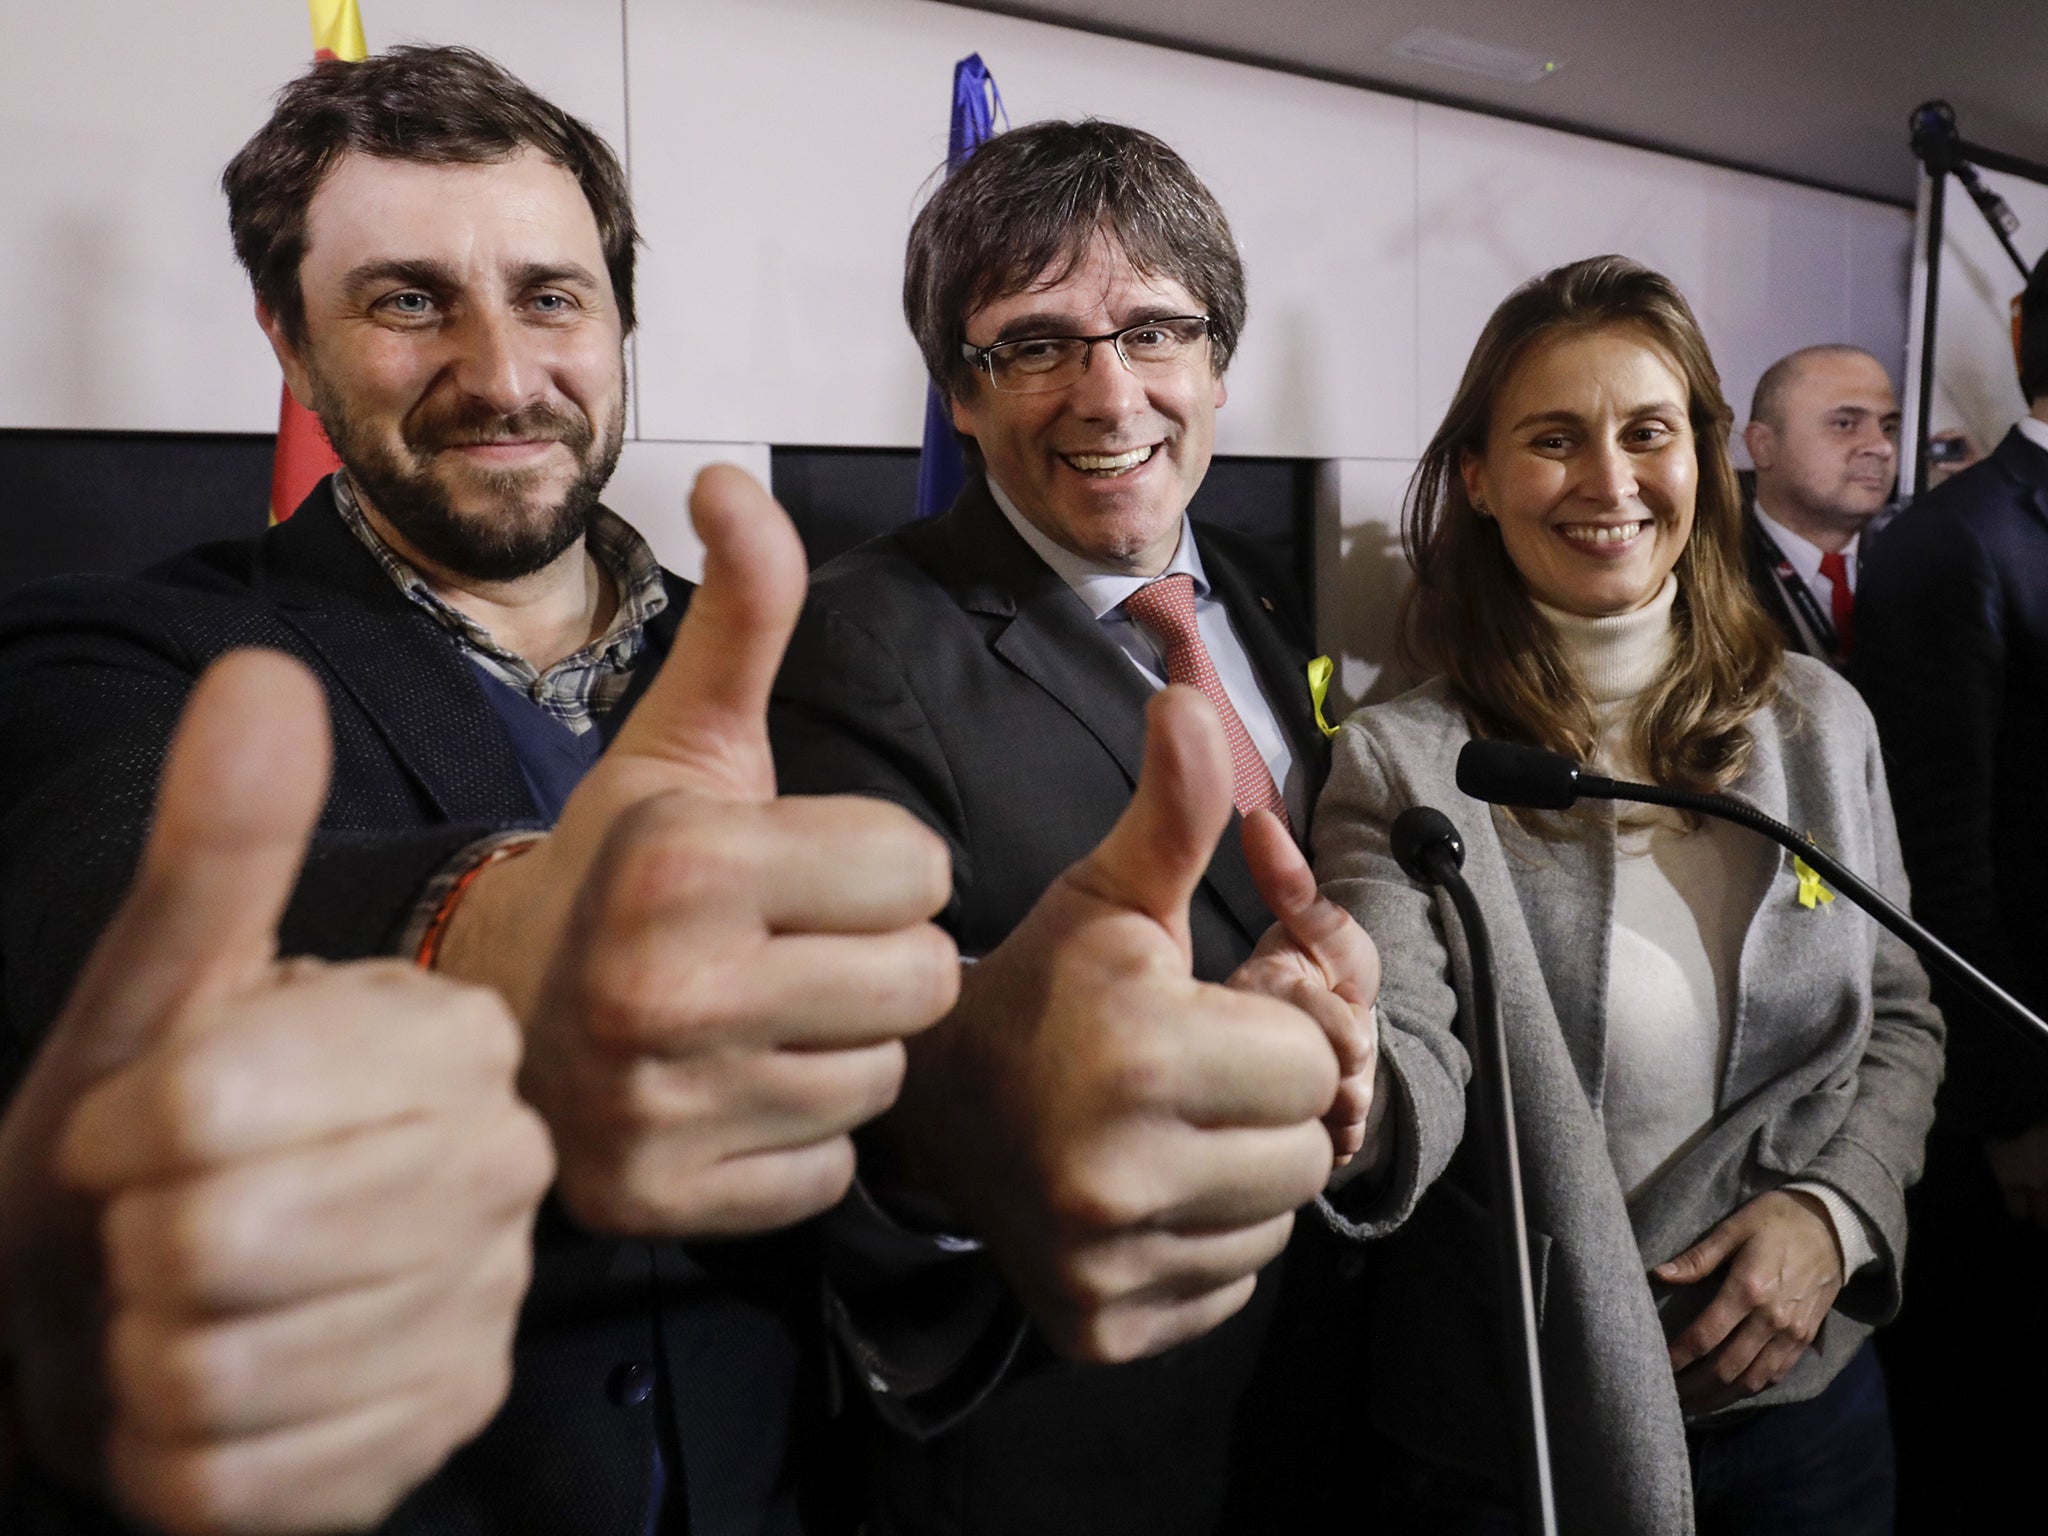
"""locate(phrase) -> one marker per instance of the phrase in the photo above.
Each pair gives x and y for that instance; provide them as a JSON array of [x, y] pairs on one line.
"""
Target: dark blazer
[[1952, 656], [1763, 580], [93, 674], [947, 668]]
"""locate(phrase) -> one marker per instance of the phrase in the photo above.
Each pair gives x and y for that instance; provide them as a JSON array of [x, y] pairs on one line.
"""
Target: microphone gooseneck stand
[[1428, 849], [1508, 773]]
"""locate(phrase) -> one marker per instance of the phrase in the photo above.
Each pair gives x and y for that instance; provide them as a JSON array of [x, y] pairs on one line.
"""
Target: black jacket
[[947, 668], [93, 674], [1952, 656]]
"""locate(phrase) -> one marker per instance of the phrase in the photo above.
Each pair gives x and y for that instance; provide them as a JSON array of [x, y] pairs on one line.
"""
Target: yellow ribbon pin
[[1320, 671], [1811, 892]]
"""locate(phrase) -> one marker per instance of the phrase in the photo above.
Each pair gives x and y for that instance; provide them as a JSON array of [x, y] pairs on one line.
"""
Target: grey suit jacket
[[1831, 1076]]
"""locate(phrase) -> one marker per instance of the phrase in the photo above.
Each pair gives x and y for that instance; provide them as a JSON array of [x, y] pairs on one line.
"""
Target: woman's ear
[[1471, 469]]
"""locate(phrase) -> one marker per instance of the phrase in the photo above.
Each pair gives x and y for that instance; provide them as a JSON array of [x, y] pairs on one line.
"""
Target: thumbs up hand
[[1317, 958], [714, 983], [277, 1283], [1130, 1143]]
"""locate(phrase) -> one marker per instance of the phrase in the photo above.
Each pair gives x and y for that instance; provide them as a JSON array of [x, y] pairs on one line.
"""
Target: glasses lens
[[1163, 343], [1043, 363]]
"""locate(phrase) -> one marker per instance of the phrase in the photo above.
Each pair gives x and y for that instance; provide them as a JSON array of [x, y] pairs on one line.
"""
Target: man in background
[[1823, 434], [1953, 660]]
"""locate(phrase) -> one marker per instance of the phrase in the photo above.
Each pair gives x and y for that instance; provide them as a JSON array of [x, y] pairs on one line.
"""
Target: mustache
[[462, 424]]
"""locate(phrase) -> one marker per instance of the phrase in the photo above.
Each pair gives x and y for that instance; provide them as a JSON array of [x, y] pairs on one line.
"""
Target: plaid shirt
[[579, 688]]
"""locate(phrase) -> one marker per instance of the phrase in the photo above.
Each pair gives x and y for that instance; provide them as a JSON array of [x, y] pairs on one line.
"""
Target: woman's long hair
[[1468, 614]]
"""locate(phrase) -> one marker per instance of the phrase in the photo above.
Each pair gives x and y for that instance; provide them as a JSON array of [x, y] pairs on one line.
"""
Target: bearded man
[[234, 1311]]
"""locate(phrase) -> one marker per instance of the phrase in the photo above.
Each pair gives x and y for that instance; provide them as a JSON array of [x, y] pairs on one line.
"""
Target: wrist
[[478, 926]]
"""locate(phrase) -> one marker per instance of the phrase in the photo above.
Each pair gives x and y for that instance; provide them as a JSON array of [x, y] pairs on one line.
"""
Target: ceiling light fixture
[[1518, 66]]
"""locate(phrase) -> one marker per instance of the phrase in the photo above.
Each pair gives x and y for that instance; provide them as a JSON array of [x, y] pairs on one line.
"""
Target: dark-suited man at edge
[[1953, 660], [1119, 1139], [551, 779]]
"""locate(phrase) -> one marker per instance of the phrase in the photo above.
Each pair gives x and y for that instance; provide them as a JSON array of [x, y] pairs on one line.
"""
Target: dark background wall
[[121, 501]]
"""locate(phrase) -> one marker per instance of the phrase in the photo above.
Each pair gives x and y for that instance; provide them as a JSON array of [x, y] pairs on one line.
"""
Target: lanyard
[[1818, 622]]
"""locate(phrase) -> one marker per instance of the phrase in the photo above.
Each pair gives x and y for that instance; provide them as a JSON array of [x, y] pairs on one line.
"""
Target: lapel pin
[[1266, 603]]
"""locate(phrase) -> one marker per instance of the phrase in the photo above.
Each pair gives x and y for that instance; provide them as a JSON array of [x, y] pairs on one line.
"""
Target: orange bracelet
[[437, 926]]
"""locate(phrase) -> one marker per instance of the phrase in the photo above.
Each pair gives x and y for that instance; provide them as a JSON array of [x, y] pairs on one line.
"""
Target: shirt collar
[[2034, 430], [613, 543], [1103, 588], [1804, 554]]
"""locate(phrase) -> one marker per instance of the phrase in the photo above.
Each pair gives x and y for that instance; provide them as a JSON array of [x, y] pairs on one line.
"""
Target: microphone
[[1421, 835], [1430, 852], [1508, 773]]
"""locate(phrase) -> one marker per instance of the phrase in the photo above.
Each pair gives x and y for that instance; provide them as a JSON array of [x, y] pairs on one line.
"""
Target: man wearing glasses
[[1119, 1139]]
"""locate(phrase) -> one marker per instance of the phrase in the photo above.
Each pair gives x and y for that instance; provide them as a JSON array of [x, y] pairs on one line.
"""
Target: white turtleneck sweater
[[1676, 943]]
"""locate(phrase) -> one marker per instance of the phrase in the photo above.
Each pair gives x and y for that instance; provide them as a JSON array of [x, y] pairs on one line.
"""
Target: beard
[[524, 529]]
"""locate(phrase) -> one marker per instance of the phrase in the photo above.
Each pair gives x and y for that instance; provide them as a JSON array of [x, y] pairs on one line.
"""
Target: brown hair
[[438, 106], [1031, 200], [1468, 614]]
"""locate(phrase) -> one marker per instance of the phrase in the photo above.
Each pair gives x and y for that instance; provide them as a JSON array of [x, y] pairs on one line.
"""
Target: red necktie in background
[[1842, 601]]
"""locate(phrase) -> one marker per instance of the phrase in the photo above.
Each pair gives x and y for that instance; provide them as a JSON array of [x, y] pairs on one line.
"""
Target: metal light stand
[[1943, 152]]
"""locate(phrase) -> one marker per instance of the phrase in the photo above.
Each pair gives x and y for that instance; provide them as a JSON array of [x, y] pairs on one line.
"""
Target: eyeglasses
[[1038, 365]]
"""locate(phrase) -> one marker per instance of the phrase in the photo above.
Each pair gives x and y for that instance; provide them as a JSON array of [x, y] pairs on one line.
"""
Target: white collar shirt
[[1103, 590]]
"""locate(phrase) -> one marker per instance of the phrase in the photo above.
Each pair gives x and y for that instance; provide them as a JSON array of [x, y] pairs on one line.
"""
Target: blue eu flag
[[976, 101]]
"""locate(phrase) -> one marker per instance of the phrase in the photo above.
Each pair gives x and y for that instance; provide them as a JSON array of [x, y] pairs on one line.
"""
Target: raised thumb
[[241, 792], [1155, 855], [707, 712]]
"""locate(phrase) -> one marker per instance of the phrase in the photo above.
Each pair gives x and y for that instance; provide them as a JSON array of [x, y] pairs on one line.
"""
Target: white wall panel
[[1767, 266], [779, 151], [130, 313], [1880, 271], [651, 490], [1360, 575]]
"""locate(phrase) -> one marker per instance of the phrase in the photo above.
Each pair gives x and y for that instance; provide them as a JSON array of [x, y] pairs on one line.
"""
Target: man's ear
[[296, 379], [1222, 391], [1762, 443], [963, 414]]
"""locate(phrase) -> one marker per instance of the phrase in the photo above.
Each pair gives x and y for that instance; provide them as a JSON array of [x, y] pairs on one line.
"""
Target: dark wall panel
[[120, 501]]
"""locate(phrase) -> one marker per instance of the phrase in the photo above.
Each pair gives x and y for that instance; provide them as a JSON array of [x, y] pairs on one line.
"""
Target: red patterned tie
[[1841, 601], [1166, 611]]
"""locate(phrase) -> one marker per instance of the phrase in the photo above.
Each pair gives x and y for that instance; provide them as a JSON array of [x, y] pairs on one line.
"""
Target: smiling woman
[[1723, 1093]]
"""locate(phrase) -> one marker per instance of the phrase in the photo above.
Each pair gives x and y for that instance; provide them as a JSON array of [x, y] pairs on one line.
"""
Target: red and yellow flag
[[304, 456]]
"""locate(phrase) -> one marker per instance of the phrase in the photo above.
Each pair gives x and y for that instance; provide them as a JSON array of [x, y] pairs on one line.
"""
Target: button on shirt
[[1104, 589]]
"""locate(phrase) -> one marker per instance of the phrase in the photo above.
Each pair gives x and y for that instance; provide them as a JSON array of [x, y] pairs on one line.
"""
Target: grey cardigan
[[1831, 1073]]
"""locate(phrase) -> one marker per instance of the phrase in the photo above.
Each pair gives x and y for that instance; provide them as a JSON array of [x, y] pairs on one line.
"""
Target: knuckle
[[528, 1162], [187, 1489], [166, 1244], [668, 854], [493, 1040], [1084, 1198], [880, 1080], [188, 1104]]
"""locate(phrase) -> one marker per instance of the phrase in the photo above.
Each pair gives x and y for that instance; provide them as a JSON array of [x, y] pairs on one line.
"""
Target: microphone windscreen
[[1416, 833], [1508, 773]]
